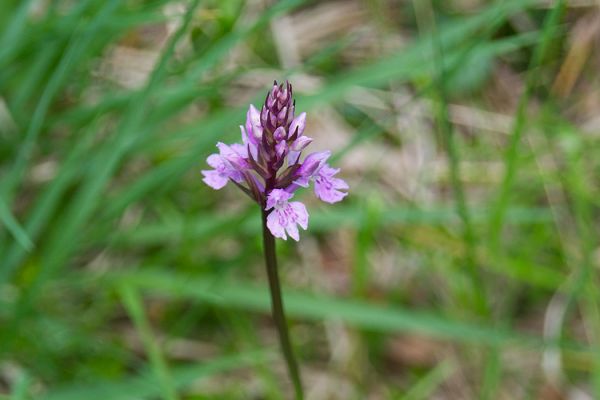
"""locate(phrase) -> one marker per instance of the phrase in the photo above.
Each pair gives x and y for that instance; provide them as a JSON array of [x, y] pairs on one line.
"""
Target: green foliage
[[114, 255]]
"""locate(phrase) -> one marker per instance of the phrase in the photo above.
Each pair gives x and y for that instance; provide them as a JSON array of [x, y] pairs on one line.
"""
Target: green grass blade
[[49, 200], [104, 165], [79, 43], [143, 386], [493, 367], [21, 387], [427, 385], [10, 38], [377, 317], [511, 159], [13, 226], [478, 296], [133, 305], [413, 60]]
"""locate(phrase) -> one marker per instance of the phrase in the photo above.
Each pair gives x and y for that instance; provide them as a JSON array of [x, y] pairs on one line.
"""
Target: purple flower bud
[[270, 103], [279, 134], [252, 146], [278, 109], [298, 123], [281, 116], [273, 120], [281, 149], [296, 148], [253, 124], [301, 143], [264, 115]]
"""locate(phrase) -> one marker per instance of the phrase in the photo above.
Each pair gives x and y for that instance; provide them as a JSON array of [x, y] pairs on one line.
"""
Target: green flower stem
[[277, 307]]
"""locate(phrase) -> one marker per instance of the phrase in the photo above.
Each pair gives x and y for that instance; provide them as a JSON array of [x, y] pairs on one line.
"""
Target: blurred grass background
[[461, 266]]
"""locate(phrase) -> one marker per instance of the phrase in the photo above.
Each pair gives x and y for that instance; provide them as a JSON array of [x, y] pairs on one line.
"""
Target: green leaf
[[378, 317], [144, 386], [13, 227]]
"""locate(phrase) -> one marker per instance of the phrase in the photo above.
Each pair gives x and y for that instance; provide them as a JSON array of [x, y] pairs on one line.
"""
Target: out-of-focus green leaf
[[144, 386]]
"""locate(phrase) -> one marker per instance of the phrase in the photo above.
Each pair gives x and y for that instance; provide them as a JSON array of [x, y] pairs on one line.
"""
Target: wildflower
[[328, 188], [285, 215], [267, 165]]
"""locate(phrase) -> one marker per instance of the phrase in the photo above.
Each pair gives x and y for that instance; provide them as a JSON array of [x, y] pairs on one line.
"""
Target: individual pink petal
[[292, 230], [328, 171], [245, 139], [298, 123], [340, 184], [313, 162], [277, 198], [293, 157], [301, 213], [328, 194], [296, 148], [225, 150], [214, 179], [215, 161], [328, 188], [253, 115], [303, 181], [285, 216], [240, 150], [276, 225], [253, 126], [235, 154], [249, 144]]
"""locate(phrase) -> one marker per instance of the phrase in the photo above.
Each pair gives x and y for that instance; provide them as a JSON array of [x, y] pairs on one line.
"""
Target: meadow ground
[[462, 265]]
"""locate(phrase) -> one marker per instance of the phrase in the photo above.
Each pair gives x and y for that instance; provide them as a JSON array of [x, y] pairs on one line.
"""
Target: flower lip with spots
[[285, 216], [267, 165]]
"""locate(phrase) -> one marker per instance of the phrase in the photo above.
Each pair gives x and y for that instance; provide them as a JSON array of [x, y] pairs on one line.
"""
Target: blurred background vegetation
[[461, 266]]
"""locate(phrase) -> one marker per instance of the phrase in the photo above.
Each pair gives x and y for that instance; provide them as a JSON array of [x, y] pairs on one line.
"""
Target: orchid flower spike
[[267, 164]]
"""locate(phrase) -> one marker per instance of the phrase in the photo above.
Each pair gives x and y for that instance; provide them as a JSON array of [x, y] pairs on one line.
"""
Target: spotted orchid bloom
[[269, 167]]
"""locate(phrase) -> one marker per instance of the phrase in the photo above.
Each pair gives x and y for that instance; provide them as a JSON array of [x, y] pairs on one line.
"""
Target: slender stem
[[277, 307]]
